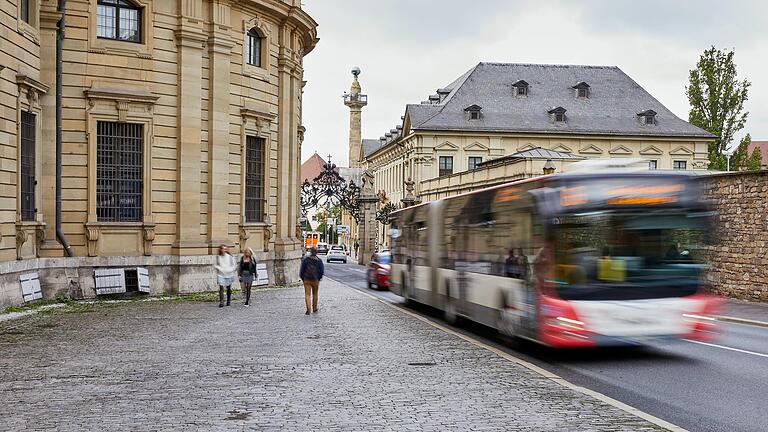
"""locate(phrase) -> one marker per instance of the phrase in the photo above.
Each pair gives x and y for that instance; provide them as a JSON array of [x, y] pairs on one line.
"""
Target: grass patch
[[37, 304]]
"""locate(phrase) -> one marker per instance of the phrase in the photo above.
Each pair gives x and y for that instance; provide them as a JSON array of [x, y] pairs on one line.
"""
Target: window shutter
[[30, 287], [143, 279], [262, 277], [109, 281]]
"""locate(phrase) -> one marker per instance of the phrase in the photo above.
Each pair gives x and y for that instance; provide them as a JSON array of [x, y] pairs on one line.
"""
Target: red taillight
[[559, 326], [702, 322]]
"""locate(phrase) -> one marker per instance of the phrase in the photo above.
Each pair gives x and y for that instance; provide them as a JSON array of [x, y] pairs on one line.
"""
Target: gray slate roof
[[370, 146], [611, 109]]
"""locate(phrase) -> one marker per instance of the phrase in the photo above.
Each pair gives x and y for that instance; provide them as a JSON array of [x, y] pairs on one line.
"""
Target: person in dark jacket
[[247, 272], [311, 273]]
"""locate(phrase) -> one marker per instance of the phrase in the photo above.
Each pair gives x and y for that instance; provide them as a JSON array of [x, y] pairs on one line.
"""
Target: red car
[[378, 270]]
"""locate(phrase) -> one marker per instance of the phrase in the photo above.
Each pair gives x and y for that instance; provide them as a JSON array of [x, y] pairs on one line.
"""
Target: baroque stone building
[[502, 111], [180, 131]]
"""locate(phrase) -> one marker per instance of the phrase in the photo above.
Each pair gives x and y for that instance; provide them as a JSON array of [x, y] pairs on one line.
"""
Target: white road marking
[[728, 348]]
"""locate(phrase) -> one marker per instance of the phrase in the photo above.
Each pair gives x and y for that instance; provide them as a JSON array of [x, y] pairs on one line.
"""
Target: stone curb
[[541, 371], [741, 320]]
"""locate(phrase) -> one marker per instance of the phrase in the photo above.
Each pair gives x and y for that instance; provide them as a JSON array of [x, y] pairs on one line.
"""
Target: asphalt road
[[720, 387]]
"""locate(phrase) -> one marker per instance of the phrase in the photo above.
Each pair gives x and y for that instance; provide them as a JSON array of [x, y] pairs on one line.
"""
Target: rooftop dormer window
[[647, 117], [582, 90], [557, 115], [520, 88], [472, 112]]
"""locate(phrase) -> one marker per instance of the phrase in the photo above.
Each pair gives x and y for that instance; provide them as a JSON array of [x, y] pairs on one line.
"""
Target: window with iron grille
[[118, 19], [119, 171], [25, 10], [445, 166], [28, 182], [254, 179], [474, 161], [253, 47], [679, 165]]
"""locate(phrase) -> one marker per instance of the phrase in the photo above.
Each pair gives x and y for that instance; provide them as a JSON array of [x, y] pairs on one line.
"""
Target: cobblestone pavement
[[191, 366]]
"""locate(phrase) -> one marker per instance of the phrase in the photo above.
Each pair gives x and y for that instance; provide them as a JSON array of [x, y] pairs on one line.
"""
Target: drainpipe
[[59, 42]]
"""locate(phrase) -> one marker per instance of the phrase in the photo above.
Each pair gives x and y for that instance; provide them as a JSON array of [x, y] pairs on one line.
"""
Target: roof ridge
[[550, 65]]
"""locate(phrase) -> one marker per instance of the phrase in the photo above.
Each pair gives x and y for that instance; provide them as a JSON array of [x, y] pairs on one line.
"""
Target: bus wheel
[[450, 313], [404, 289]]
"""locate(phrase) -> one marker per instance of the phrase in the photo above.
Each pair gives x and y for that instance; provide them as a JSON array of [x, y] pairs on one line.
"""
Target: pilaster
[[190, 39], [219, 49], [47, 183], [287, 146]]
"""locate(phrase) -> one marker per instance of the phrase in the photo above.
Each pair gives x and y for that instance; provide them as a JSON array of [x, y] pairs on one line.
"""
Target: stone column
[[219, 49], [190, 39], [355, 100]]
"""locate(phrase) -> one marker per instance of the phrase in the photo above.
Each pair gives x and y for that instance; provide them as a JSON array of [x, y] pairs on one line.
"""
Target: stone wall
[[739, 258]]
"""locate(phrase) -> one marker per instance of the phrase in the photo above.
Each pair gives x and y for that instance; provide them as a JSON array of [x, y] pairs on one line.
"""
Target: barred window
[[253, 47], [28, 182], [254, 179], [445, 166], [118, 19], [119, 171]]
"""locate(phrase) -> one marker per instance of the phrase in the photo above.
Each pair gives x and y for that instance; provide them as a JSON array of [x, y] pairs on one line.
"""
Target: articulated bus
[[566, 260]]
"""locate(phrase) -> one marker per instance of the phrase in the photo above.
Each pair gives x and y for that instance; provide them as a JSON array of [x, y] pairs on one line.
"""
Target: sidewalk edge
[[745, 321], [541, 371]]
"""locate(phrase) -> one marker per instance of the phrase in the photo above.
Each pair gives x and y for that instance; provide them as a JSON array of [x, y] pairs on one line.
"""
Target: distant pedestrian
[[225, 273], [247, 272], [357, 247], [311, 273]]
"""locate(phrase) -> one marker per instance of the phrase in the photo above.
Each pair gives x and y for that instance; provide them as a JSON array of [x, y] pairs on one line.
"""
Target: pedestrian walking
[[311, 273], [357, 247], [225, 273], [247, 272]]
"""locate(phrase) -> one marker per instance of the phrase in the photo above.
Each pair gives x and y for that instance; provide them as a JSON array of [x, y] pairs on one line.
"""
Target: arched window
[[118, 19], [253, 46]]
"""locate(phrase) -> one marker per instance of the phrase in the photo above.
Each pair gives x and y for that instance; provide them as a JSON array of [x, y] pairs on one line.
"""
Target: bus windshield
[[614, 256]]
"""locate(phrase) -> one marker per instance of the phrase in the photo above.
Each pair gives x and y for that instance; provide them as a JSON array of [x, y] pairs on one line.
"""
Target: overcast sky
[[408, 48]]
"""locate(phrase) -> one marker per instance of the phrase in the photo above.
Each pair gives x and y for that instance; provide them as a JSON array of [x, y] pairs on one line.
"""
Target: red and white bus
[[568, 260]]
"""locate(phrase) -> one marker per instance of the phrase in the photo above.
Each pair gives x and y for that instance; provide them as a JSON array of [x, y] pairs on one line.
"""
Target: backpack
[[311, 271]]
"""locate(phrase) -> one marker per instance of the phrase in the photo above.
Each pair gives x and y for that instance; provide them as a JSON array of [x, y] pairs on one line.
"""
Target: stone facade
[[196, 97], [739, 258]]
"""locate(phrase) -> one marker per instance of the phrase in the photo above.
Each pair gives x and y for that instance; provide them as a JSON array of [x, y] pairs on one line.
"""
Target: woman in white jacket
[[225, 273]]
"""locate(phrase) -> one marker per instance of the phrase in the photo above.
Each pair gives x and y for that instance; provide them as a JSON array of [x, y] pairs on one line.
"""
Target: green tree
[[717, 101], [755, 160], [740, 155]]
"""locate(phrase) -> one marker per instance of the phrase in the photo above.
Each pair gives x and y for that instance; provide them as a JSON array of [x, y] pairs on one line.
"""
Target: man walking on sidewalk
[[311, 273]]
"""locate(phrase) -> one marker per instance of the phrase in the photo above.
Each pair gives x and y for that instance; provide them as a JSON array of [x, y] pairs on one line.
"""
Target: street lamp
[[549, 167]]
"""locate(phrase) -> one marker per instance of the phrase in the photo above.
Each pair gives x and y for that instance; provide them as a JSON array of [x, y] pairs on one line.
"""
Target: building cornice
[[121, 94], [26, 81], [563, 134]]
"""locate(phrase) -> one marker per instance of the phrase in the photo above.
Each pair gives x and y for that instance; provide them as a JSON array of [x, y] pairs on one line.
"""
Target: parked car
[[322, 248], [379, 270], [336, 253]]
